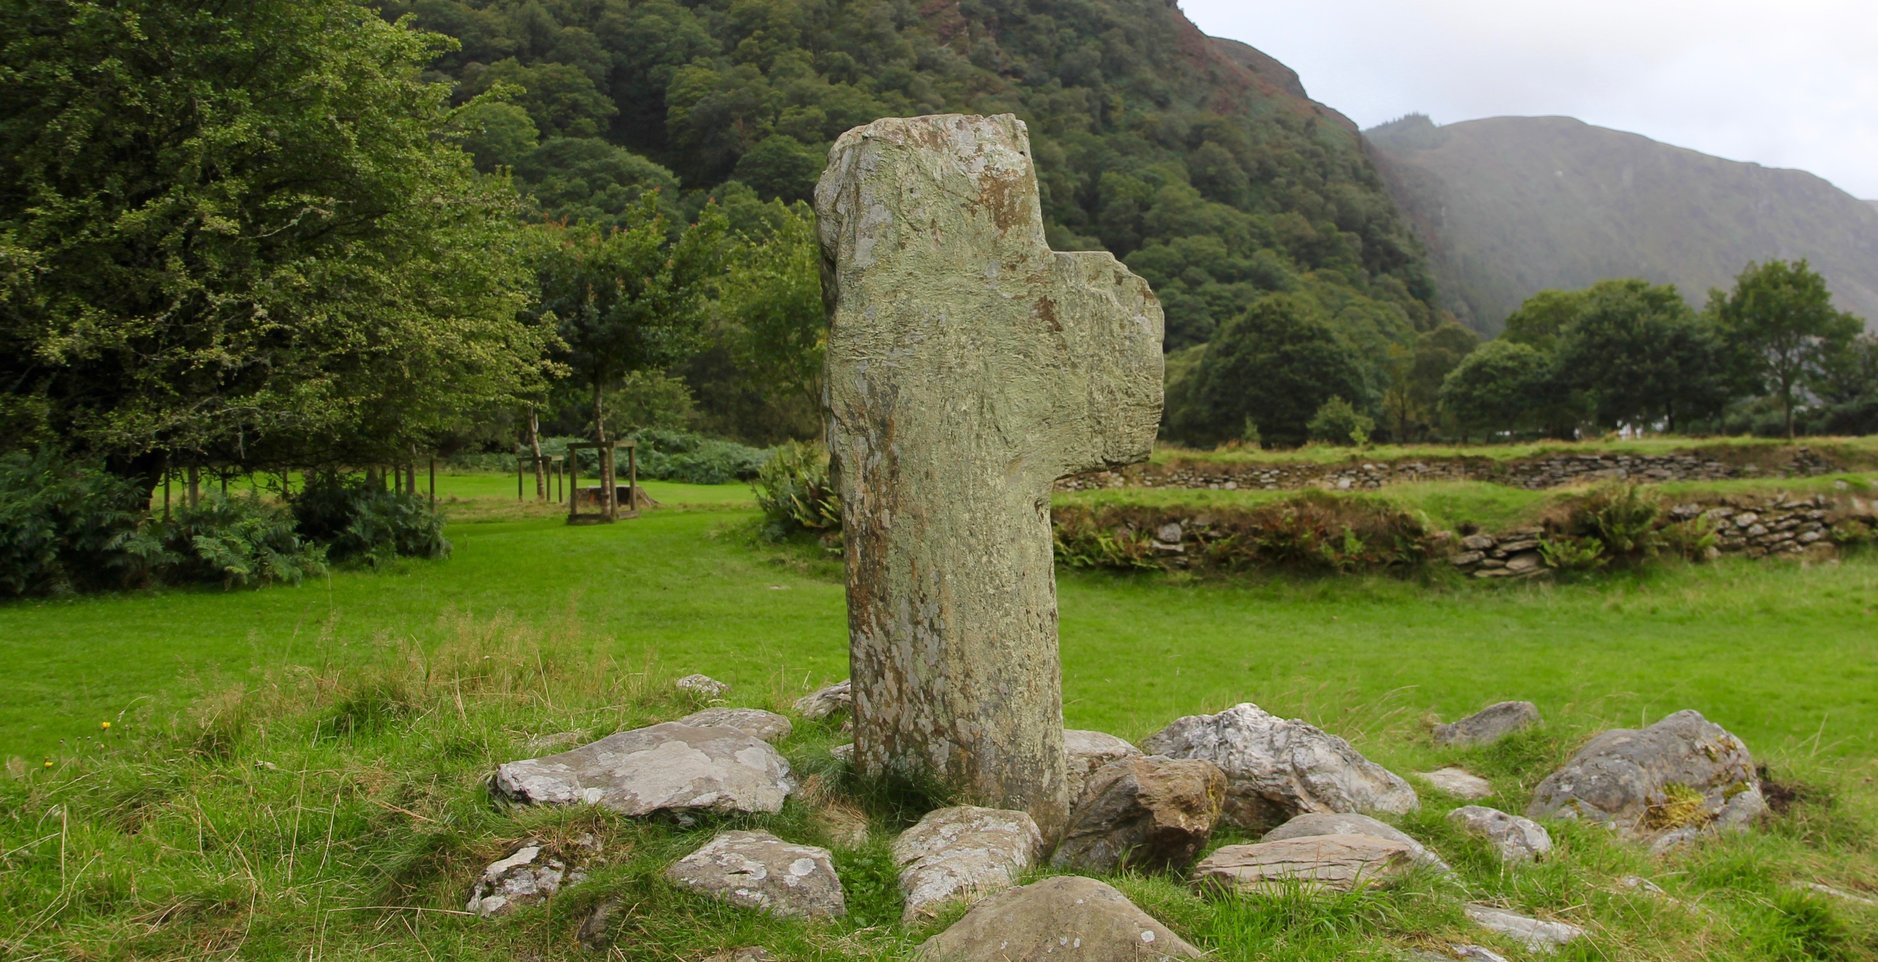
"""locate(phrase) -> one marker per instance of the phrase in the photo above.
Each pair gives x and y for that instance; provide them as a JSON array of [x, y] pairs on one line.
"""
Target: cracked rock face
[[1677, 779], [1515, 839], [755, 722], [757, 870], [529, 874], [963, 852], [1063, 918], [1489, 725], [1342, 862], [668, 767], [1088, 751], [1147, 812], [1348, 823], [1277, 768]]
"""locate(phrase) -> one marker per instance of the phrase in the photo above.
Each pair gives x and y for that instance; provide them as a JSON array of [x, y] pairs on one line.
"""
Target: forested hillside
[[1200, 162], [1514, 205]]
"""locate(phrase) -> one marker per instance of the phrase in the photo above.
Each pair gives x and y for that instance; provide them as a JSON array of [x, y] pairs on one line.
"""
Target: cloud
[[1792, 86]]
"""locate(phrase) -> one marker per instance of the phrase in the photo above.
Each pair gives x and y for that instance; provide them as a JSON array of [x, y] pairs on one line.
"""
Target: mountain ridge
[[1509, 206]]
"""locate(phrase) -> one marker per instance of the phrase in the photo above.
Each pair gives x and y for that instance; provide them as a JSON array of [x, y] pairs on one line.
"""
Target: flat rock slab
[[755, 722], [1063, 918], [757, 870], [1458, 782], [1277, 768], [1677, 778], [1489, 725], [1534, 934], [1342, 862], [824, 702], [1148, 812], [663, 768], [1515, 839], [1349, 823], [964, 852], [1088, 751]]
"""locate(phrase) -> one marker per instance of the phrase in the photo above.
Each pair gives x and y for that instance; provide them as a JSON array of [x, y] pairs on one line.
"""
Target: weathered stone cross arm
[[969, 367]]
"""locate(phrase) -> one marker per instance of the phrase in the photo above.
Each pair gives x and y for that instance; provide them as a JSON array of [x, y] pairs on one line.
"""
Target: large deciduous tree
[[1780, 315], [236, 229], [1276, 365], [1502, 386]]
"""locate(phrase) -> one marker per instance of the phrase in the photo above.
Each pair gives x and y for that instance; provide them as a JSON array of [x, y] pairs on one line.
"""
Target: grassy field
[[297, 772]]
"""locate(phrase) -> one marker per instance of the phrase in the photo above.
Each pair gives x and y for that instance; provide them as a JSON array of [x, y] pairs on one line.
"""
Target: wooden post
[[573, 483], [632, 475], [518, 477], [166, 491], [195, 486], [433, 480]]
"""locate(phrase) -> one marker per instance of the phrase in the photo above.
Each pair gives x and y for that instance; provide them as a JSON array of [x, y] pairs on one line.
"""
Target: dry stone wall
[[1545, 471]]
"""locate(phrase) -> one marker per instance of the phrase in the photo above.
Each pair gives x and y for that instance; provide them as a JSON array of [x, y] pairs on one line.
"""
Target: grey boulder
[[663, 768], [1277, 768], [822, 703], [1488, 725], [530, 873], [757, 870], [755, 722], [1515, 839], [1536, 935], [1680, 777], [1148, 812], [1088, 751], [963, 852], [703, 686], [1306, 826], [1066, 917], [1341, 862], [1457, 782]]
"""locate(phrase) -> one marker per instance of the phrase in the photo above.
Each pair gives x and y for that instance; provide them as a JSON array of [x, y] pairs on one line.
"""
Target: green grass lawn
[[297, 772]]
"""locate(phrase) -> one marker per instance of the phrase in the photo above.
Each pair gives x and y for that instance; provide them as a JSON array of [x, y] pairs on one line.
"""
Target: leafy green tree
[[628, 299], [1276, 364], [1780, 316], [561, 99], [1542, 320], [589, 180], [775, 294], [782, 167], [1624, 348], [497, 134], [1339, 422], [239, 233], [1501, 386]]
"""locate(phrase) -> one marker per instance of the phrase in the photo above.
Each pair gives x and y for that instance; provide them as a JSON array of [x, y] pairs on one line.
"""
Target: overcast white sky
[[1785, 83]]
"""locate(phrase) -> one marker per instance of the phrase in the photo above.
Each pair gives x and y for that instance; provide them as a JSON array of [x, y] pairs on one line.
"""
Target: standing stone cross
[[969, 367]]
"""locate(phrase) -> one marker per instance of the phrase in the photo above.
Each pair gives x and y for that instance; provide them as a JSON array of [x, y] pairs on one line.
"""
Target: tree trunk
[[607, 497], [534, 445]]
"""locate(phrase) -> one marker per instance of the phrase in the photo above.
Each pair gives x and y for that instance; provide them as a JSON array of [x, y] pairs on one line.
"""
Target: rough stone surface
[[755, 722], [822, 703], [963, 852], [1349, 823], [1330, 861], [1515, 839], [968, 368], [1063, 918], [1088, 751], [1148, 812], [757, 870], [1489, 725], [666, 767], [749, 953], [529, 874], [595, 932], [1536, 935], [703, 686], [1643, 782], [1276, 768], [1458, 782]]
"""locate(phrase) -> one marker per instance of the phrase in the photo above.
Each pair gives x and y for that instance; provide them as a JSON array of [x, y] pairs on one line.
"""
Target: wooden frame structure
[[608, 492], [551, 470]]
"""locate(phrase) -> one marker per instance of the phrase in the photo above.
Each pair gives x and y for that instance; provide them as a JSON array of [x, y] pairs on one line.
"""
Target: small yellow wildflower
[[48, 763], [104, 725]]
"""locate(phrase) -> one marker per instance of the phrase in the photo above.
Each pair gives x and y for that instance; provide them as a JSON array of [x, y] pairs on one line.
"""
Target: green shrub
[[1566, 553], [238, 542], [1620, 518], [1339, 422], [66, 526], [360, 522], [695, 458], [794, 490]]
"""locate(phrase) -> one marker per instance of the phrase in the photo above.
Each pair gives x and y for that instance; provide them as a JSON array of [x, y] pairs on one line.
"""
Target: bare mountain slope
[[1512, 205]]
